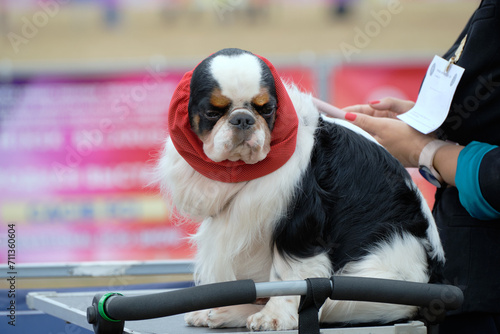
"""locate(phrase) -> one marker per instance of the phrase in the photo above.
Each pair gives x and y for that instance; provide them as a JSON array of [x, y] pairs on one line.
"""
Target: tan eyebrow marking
[[261, 98], [218, 100]]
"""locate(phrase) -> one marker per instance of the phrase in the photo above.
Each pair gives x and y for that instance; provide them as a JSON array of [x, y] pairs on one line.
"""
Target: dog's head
[[232, 106]]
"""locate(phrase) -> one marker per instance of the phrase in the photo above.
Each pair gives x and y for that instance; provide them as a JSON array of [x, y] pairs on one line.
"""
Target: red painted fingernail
[[350, 116], [374, 102]]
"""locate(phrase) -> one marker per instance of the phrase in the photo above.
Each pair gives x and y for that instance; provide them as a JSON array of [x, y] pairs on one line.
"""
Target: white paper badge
[[434, 100]]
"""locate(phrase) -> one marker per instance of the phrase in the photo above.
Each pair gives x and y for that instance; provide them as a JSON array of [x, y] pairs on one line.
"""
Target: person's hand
[[400, 139], [386, 107]]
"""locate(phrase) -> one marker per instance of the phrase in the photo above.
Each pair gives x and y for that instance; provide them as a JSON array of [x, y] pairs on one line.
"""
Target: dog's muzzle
[[242, 119]]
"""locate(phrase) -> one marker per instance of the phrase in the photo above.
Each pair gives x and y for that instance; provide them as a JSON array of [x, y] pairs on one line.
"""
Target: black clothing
[[474, 323], [475, 109], [472, 246]]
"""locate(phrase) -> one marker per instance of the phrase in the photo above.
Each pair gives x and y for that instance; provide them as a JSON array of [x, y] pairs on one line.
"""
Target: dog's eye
[[214, 112], [213, 115], [266, 110]]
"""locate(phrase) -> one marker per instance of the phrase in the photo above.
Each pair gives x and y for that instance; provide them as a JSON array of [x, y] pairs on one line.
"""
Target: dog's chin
[[249, 152]]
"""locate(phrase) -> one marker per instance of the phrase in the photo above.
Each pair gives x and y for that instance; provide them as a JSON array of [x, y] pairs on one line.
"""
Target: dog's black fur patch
[[353, 195]]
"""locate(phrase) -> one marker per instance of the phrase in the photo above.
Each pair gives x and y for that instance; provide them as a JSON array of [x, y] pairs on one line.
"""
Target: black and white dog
[[283, 193]]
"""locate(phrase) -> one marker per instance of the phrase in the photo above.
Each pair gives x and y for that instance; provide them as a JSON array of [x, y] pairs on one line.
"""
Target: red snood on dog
[[190, 147]]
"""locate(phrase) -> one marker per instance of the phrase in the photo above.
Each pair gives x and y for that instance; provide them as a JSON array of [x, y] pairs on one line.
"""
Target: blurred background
[[85, 87]]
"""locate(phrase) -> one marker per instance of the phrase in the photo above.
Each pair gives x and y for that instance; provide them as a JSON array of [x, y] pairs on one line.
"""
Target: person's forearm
[[445, 162]]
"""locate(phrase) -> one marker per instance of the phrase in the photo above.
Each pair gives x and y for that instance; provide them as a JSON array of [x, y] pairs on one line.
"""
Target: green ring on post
[[100, 306]]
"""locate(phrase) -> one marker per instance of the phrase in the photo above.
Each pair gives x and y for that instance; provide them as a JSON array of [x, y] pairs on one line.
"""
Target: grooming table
[[72, 307]]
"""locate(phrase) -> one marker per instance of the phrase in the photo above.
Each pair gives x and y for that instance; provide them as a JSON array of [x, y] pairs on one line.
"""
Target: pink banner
[[76, 159]]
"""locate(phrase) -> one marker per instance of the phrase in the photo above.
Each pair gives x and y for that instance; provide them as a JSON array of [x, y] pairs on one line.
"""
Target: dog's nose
[[242, 121]]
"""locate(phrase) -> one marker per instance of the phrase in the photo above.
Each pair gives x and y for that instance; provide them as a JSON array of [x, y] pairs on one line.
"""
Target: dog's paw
[[197, 318], [270, 321], [224, 317]]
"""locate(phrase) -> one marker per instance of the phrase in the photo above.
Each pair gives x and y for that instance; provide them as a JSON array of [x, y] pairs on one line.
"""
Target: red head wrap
[[190, 147]]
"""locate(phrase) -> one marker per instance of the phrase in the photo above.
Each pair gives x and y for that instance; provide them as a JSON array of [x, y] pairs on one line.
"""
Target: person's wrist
[[418, 147], [426, 163]]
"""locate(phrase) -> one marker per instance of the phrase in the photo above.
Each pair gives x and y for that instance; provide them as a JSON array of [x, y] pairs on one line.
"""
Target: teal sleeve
[[467, 181]]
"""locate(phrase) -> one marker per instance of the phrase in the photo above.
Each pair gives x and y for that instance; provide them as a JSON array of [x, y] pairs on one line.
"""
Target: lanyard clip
[[457, 55]]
